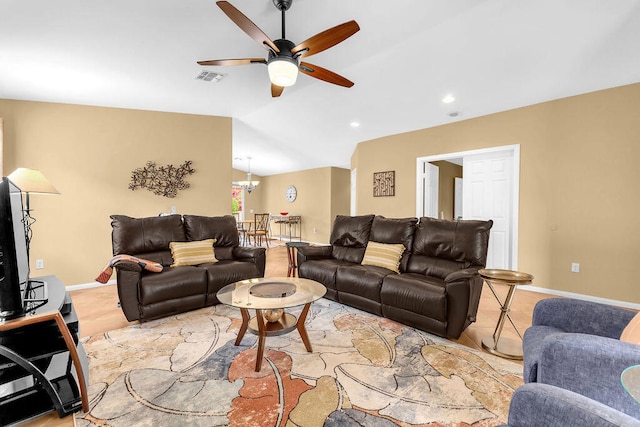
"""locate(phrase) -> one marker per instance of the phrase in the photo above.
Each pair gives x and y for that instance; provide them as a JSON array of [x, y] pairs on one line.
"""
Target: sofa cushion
[[192, 253], [364, 281], [135, 236], [384, 255], [221, 228], [463, 241], [321, 270], [416, 293], [349, 237], [395, 230], [432, 266], [225, 272], [173, 283]]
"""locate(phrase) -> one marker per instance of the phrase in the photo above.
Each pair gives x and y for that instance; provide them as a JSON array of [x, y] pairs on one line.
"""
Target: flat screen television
[[14, 258]]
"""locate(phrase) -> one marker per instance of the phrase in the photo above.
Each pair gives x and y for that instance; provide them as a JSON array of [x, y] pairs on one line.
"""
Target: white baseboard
[[607, 301], [90, 285]]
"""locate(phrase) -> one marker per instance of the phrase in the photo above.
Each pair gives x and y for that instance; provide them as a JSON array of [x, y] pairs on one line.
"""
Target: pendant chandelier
[[249, 185]]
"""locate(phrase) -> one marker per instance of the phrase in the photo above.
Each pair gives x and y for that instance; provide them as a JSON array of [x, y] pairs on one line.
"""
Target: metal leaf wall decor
[[161, 180]]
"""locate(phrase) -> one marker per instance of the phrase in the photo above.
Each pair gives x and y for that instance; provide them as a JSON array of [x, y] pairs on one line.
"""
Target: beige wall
[[446, 187], [323, 193], [88, 154], [578, 184], [340, 194], [577, 181]]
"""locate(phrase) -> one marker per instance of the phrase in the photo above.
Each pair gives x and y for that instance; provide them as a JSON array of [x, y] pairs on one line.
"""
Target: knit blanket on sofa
[[107, 271]]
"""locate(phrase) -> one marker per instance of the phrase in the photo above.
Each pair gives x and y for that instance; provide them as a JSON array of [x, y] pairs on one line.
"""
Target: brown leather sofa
[[146, 295], [437, 288]]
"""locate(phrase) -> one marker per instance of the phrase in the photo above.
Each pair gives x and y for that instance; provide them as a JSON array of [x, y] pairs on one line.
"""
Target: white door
[[457, 198], [487, 194], [430, 178]]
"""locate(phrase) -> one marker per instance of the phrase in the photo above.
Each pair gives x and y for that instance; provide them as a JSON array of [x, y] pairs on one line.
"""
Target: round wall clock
[[291, 193]]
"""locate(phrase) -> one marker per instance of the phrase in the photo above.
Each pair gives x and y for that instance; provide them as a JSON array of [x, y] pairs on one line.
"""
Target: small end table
[[291, 254], [504, 347]]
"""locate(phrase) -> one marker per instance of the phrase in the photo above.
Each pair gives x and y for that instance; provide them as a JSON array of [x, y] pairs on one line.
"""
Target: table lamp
[[30, 181]]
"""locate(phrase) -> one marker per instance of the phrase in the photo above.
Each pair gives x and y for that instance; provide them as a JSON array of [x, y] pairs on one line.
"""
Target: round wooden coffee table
[[269, 297]]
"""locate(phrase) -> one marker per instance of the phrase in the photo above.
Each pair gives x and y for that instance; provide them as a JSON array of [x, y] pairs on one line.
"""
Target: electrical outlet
[[575, 267], [39, 264], [315, 230]]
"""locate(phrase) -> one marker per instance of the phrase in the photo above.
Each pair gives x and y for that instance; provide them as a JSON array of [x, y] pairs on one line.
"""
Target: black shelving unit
[[37, 375]]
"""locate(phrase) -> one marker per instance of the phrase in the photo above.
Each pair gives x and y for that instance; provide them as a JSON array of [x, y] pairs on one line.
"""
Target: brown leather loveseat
[[437, 287], [146, 295]]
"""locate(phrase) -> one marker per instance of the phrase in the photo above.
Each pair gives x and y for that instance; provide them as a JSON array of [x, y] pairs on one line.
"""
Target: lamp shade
[[32, 181], [283, 71]]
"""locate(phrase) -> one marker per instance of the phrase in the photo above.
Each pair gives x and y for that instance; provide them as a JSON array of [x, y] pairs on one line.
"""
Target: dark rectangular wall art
[[384, 184]]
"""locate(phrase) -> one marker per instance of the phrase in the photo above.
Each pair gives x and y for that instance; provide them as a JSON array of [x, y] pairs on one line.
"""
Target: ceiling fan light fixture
[[283, 71]]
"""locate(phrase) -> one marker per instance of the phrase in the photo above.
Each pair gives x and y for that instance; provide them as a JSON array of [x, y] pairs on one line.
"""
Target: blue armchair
[[573, 359], [543, 405]]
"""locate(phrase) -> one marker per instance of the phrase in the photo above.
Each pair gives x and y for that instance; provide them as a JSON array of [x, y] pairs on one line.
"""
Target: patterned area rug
[[364, 371]]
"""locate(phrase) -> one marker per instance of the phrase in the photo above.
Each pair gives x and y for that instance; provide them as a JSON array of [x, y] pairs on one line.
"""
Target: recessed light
[[448, 99], [354, 124]]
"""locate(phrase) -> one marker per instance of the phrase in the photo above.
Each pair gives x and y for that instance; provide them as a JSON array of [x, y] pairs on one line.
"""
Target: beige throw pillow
[[383, 255], [192, 253], [631, 332]]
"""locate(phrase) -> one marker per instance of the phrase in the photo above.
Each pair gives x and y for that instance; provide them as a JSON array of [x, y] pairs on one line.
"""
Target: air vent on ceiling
[[210, 76]]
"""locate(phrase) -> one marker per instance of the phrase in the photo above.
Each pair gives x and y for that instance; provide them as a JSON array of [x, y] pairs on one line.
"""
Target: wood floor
[[98, 313]]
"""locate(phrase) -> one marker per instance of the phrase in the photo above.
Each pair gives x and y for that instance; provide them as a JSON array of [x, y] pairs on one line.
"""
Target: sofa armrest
[[534, 405], [128, 266], [470, 279], [245, 252], [464, 275], [128, 279], [585, 317], [306, 253], [255, 255], [591, 366]]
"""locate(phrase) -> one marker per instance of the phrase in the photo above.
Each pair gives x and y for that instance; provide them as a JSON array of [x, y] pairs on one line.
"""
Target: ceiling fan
[[283, 60]]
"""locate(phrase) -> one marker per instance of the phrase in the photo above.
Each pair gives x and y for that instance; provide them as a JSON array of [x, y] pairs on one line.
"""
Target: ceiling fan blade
[[247, 26], [244, 61], [276, 91], [324, 74], [326, 39]]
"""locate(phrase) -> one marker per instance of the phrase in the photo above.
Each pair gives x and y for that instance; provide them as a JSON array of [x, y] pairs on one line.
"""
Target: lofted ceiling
[[492, 55]]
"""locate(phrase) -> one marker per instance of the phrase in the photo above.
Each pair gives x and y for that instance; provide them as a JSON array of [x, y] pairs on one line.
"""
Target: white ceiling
[[492, 55]]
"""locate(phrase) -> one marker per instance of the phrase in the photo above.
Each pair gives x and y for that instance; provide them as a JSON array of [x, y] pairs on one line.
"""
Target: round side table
[[291, 255], [504, 347]]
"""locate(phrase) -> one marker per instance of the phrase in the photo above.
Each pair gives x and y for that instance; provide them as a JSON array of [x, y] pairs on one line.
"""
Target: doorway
[[237, 201], [490, 190]]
